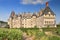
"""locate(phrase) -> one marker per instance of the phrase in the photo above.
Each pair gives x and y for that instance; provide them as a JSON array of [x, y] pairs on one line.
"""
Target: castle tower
[[10, 20], [12, 14], [49, 16]]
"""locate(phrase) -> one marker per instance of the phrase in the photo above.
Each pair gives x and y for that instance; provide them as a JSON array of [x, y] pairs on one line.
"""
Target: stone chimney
[[46, 4]]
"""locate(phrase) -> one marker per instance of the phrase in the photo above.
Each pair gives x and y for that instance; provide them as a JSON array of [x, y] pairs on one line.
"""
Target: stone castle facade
[[43, 18]]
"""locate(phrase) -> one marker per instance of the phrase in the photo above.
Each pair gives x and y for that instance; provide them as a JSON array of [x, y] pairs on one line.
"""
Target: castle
[[43, 18]]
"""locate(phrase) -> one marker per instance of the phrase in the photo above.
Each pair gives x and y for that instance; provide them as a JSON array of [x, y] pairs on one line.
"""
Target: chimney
[[46, 4]]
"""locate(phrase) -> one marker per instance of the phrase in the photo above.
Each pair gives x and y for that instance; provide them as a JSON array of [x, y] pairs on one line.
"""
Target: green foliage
[[35, 32], [7, 26], [44, 38], [10, 34], [54, 38], [48, 26], [35, 26], [3, 22], [16, 34], [58, 26], [50, 38]]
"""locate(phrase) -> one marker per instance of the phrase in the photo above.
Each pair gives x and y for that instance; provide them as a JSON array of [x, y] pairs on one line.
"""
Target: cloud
[[34, 1]]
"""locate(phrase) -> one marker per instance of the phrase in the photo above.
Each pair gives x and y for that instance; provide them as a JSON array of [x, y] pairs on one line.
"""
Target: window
[[49, 14], [45, 21]]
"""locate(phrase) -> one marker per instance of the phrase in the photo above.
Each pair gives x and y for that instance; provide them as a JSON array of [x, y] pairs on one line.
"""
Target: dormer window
[[49, 12]]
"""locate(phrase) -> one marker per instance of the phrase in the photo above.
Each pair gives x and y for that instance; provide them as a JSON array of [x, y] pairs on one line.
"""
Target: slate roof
[[12, 14], [46, 10], [19, 15]]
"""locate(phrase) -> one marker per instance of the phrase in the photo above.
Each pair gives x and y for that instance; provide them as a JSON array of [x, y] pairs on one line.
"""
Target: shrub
[[10, 34], [54, 38]]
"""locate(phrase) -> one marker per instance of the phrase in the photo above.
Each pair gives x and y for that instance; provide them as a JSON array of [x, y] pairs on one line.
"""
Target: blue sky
[[6, 6]]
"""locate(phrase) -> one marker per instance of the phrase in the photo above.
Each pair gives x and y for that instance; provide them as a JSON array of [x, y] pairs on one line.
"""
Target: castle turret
[[12, 14], [49, 16], [10, 20]]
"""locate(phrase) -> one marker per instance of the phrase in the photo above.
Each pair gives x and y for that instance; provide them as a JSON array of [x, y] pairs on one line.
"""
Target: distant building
[[44, 18], [3, 24]]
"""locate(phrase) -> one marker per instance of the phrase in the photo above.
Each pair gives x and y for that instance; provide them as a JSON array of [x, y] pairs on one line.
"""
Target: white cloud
[[34, 1]]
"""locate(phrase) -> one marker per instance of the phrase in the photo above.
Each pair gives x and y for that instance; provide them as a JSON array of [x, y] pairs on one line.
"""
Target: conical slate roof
[[12, 14]]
